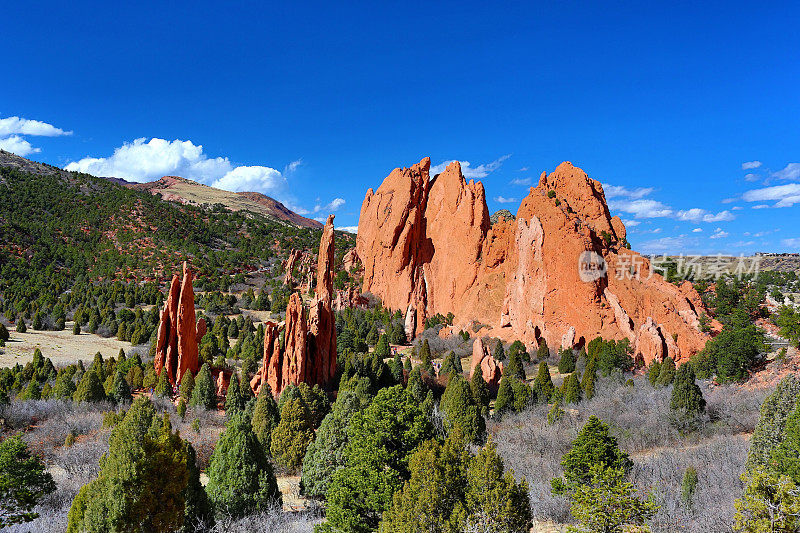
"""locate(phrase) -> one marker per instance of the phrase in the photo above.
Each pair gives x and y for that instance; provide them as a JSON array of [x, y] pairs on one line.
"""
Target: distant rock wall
[[560, 271]]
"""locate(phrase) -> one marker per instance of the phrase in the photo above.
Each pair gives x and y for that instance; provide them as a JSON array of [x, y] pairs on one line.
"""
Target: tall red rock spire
[[177, 340]]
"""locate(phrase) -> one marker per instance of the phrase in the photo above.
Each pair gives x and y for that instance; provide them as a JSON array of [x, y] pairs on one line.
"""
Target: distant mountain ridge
[[181, 190]]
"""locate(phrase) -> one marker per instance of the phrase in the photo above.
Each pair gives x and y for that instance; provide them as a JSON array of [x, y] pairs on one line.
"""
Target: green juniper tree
[[23, 482]]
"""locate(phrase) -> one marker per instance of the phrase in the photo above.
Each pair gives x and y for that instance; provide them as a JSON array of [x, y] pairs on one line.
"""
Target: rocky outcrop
[[289, 265], [348, 297], [309, 352], [350, 261], [559, 271], [492, 370], [177, 338]]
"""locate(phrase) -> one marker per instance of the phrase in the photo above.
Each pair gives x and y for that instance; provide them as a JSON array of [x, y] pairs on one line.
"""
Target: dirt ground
[[62, 347]]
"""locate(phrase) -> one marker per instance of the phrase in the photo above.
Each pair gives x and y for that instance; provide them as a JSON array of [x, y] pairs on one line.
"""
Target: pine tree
[[23, 482], [4, 334], [593, 446], [381, 439], [407, 365], [566, 361], [292, 435], [515, 367], [499, 353], [265, 417], [76, 328], [460, 410], [120, 390], [416, 386], [425, 356], [240, 478], [234, 403], [479, 390], [325, 455], [89, 389], [382, 348], [667, 373], [182, 408], [205, 392], [523, 395], [187, 386], [653, 371], [543, 385], [37, 321], [686, 395], [571, 389], [769, 431], [64, 387], [505, 397], [543, 352], [587, 382], [163, 388], [372, 336], [31, 392], [131, 492], [21, 328], [397, 369]]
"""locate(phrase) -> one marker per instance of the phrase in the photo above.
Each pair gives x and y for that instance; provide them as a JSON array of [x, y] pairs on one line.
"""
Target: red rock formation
[[491, 370], [188, 359], [349, 297], [177, 340], [427, 247], [309, 353], [288, 266], [350, 261], [202, 329]]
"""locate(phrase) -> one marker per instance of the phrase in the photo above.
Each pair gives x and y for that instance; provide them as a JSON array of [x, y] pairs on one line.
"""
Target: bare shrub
[[440, 347], [274, 519]]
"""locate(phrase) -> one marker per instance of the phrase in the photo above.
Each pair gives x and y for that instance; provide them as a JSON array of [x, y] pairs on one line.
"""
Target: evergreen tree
[[292, 435], [566, 361], [515, 367], [653, 371], [460, 410], [587, 382], [120, 390], [372, 336], [571, 389], [499, 353], [523, 395], [543, 385], [64, 387], [416, 386], [425, 357], [505, 397], [689, 485], [316, 401], [37, 321], [205, 392], [76, 328], [770, 503], [23, 482], [4, 334], [234, 403], [769, 431], [543, 352], [21, 328], [240, 477], [265, 417], [182, 408], [99, 367], [187, 386], [31, 392], [667, 372], [381, 440], [593, 447], [89, 389], [450, 364], [397, 369], [479, 390], [382, 348], [686, 395], [519, 348], [407, 365], [325, 455], [163, 388], [131, 493]]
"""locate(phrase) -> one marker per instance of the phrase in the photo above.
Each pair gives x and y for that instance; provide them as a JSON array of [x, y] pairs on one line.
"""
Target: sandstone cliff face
[[177, 339], [553, 273], [309, 353]]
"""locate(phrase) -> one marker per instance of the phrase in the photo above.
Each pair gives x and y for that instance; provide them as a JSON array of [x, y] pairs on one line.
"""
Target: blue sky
[[313, 103]]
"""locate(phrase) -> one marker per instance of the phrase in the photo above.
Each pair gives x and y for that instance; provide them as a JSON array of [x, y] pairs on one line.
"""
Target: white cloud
[[24, 126], [737, 208], [614, 191], [17, 145], [630, 223], [349, 229], [291, 167], [791, 172], [521, 181], [697, 230], [786, 195], [696, 215], [793, 242], [504, 200], [752, 177], [643, 208], [760, 206], [263, 179], [719, 234], [749, 165], [523, 169], [481, 171], [333, 205]]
